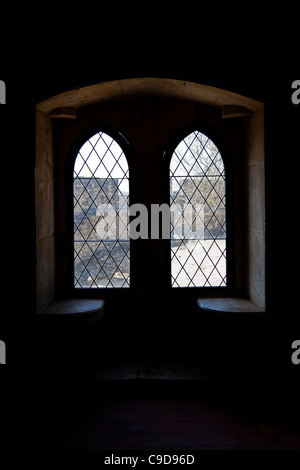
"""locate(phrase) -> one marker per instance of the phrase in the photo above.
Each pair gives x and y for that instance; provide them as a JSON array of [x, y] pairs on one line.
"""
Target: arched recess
[[231, 114]]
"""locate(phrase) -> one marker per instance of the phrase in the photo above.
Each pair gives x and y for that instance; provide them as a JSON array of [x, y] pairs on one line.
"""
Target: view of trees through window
[[198, 224]]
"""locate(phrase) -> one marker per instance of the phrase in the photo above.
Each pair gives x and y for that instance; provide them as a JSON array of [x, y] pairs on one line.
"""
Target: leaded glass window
[[198, 214], [100, 195]]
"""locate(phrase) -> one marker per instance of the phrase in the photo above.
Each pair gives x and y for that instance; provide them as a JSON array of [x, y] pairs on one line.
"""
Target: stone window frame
[[230, 106]]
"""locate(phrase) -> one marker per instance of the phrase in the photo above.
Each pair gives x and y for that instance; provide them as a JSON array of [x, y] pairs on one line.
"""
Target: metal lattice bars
[[197, 178], [100, 209]]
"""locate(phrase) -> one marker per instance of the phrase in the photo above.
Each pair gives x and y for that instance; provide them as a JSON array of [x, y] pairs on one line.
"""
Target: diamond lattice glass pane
[[100, 195], [198, 214]]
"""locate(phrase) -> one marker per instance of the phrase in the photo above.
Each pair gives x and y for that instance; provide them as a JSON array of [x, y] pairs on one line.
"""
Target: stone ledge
[[75, 311], [227, 306]]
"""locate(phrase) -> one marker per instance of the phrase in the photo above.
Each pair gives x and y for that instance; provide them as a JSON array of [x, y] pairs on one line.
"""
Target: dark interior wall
[[157, 120], [55, 55], [51, 74]]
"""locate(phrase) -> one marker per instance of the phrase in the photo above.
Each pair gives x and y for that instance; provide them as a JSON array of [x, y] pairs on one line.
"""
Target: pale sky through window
[[102, 158]]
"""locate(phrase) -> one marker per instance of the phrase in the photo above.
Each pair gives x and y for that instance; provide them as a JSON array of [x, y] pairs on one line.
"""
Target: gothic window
[[198, 214], [100, 198]]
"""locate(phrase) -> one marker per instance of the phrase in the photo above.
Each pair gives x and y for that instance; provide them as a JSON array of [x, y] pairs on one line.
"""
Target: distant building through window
[[100, 194], [198, 222]]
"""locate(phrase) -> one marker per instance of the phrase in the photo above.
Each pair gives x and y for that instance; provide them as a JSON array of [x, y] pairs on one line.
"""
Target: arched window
[[198, 214], [66, 258], [100, 195]]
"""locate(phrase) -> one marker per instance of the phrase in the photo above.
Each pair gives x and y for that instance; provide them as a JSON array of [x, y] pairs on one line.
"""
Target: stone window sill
[[74, 311], [227, 306]]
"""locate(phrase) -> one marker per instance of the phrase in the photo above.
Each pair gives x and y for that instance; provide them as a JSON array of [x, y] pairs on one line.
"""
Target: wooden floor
[[166, 415], [142, 424]]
